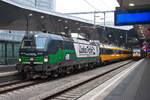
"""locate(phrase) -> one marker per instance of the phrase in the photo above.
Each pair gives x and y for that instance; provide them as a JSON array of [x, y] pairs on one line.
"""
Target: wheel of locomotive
[[44, 76], [61, 71], [55, 73], [27, 76], [91, 66], [23, 74], [69, 69], [86, 66]]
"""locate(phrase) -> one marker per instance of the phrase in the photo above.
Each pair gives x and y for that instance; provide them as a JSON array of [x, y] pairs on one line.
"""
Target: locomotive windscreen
[[38, 43], [136, 50], [27, 44]]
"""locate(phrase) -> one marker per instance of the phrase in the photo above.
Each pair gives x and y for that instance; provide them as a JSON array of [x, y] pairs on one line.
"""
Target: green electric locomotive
[[43, 55]]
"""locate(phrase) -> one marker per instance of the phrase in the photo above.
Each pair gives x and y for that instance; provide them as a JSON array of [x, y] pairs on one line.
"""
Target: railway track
[[68, 89], [8, 83], [15, 86], [6, 77], [75, 92], [78, 89]]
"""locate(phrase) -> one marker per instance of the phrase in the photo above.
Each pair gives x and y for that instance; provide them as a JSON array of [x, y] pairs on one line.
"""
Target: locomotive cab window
[[38, 43], [54, 45], [27, 44], [136, 50]]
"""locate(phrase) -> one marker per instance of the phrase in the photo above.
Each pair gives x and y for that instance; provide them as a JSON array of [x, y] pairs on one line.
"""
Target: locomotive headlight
[[46, 59], [19, 59]]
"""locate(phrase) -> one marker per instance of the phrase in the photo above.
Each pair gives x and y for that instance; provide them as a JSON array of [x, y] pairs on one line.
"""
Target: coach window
[[121, 52], [103, 51], [114, 51], [109, 51], [117, 51]]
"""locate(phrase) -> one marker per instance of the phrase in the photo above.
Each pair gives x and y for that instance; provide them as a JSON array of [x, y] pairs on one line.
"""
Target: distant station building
[[10, 39]]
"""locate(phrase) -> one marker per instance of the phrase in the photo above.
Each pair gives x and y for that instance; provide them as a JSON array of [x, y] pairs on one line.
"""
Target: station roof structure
[[19, 17], [16, 17]]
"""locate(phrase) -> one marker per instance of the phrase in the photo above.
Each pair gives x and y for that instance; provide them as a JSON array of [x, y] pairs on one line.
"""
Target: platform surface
[[136, 86], [7, 68]]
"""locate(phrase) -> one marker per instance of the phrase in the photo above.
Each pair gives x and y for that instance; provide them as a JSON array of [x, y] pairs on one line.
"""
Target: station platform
[[131, 84], [9, 73], [136, 86], [7, 68]]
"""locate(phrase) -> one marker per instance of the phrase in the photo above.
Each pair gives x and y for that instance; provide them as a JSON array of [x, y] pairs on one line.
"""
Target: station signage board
[[131, 17]]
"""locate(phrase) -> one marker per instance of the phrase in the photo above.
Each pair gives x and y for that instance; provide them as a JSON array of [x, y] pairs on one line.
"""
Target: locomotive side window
[[68, 45], [53, 46]]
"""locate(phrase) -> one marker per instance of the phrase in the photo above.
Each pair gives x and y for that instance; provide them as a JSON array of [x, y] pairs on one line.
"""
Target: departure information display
[[131, 17]]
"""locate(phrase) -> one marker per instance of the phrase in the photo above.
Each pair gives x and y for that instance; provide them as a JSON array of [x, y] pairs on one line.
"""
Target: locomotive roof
[[51, 36], [57, 37]]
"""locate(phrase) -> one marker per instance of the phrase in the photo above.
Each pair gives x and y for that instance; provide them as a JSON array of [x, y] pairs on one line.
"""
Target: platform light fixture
[[77, 23], [79, 29], [121, 36], [42, 17], [66, 27], [36, 36], [110, 36], [131, 4], [140, 27], [30, 14], [66, 21], [142, 31], [59, 20]]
